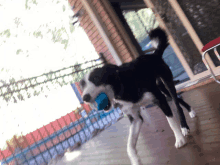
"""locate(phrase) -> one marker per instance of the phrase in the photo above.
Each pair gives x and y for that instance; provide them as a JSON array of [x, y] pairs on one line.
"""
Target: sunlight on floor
[[68, 159], [70, 156]]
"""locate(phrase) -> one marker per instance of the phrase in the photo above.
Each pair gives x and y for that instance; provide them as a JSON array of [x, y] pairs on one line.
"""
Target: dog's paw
[[180, 142], [185, 131], [192, 113]]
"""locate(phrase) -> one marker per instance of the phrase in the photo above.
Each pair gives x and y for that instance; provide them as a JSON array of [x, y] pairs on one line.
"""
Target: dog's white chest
[[147, 99]]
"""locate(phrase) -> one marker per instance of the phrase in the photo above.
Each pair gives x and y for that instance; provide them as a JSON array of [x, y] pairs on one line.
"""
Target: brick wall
[[94, 36]]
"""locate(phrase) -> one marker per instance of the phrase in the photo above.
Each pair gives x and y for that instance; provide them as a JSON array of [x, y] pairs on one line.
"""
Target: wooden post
[[102, 29], [172, 41]]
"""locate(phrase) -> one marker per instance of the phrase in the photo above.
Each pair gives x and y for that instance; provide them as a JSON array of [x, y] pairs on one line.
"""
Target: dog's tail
[[159, 41]]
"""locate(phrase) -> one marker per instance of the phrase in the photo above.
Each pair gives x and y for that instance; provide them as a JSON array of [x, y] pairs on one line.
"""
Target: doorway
[[138, 20]]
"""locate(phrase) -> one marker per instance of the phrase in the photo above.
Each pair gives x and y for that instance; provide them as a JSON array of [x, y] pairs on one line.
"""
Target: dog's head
[[100, 80]]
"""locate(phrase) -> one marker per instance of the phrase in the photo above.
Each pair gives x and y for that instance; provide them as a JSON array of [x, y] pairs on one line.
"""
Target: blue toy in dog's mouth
[[102, 101]]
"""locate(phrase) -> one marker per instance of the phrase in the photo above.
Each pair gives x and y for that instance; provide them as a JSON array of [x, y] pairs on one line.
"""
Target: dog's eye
[[82, 83]]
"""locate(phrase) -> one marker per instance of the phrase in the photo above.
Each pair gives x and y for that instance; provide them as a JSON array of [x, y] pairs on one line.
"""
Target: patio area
[[156, 141]]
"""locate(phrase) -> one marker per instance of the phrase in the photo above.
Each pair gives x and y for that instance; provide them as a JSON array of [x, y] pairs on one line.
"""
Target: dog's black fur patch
[[131, 119]]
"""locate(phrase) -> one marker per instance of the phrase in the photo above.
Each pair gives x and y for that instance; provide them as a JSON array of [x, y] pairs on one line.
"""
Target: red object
[[66, 119], [6, 154], [86, 107], [211, 44], [78, 87], [48, 128], [61, 122]]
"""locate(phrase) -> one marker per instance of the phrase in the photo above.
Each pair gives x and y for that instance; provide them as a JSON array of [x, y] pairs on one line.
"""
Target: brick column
[[94, 35]]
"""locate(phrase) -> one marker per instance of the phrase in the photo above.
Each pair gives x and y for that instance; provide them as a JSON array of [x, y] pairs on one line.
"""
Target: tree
[[141, 22]]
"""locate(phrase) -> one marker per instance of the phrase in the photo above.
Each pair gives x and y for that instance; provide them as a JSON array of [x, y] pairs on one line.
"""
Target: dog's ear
[[113, 77], [82, 84], [102, 75], [101, 55]]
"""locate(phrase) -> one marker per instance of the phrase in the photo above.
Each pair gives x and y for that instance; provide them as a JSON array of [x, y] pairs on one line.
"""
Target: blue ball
[[102, 101]]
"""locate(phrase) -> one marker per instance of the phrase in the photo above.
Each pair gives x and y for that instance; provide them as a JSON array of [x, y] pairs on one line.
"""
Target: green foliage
[[26, 5], [18, 51], [17, 141], [72, 28], [29, 2], [141, 22], [38, 34], [7, 33], [64, 8], [17, 21], [65, 43], [14, 90], [57, 36]]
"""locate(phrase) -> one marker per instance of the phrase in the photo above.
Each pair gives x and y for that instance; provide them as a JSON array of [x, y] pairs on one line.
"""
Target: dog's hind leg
[[192, 113], [163, 89], [161, 101], [136, 122], [167, 80]]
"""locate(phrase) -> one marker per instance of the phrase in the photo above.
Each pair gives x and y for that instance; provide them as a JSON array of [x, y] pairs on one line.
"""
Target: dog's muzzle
[[87, 98]]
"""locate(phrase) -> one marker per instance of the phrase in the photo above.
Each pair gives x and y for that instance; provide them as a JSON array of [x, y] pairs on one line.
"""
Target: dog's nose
[[87, 97]]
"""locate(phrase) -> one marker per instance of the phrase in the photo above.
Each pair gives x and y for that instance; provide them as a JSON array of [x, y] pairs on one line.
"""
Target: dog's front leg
[[132, 139]]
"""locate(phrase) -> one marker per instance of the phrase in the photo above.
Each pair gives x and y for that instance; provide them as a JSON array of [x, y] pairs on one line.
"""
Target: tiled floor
[[156, 141]]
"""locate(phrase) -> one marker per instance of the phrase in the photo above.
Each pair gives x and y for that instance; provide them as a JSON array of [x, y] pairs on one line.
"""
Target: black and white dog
[[136, 84]]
